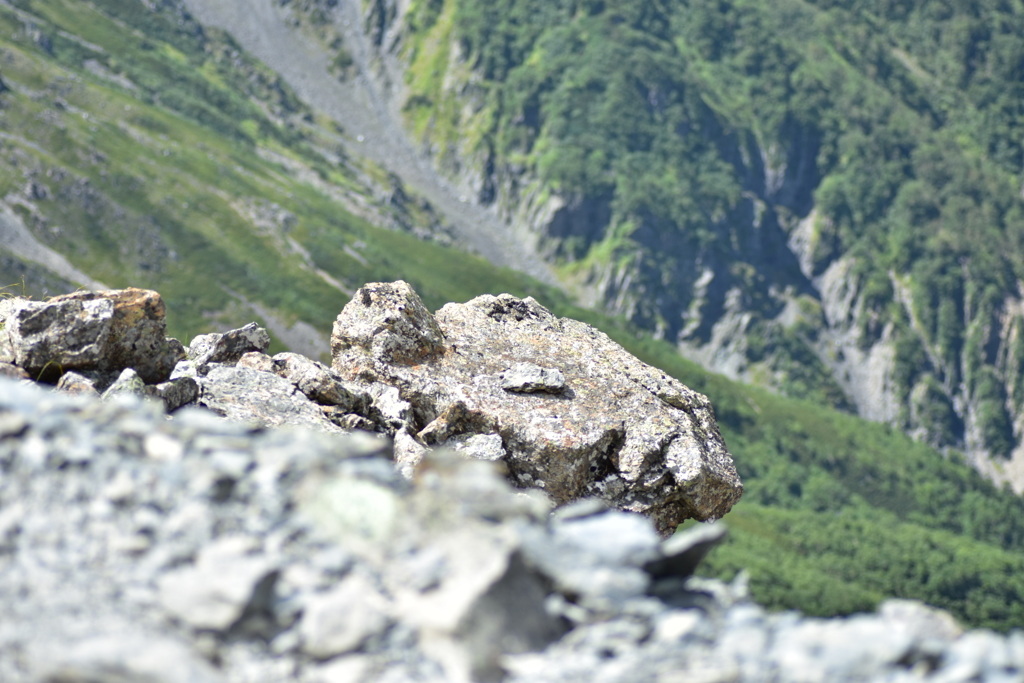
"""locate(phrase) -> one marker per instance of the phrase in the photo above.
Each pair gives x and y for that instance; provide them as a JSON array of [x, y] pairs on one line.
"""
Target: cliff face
[[819, 247]]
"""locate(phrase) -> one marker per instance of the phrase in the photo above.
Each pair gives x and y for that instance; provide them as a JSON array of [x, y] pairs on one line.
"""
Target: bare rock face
[[577, 415], [100, 331]]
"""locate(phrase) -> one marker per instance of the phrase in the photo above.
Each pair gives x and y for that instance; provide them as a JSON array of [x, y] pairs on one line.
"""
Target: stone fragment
[[175, 393], [225, 581], [389, 411], [349, 421], [479, 446], [319, 383], [529, 378], [256, 360], [12, 371], [137, 333], [124, 658], [599, 558], [680, 554], [341, 620], [106, 331], [258, 397], [51, 337], [228, 347], [128, 382], [408, 453], [620, 430], [76, 383], [386, 322], [351, 669]]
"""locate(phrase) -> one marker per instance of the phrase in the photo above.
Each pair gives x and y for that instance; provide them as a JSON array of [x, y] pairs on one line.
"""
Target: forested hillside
[[820, 197], [150, 151]]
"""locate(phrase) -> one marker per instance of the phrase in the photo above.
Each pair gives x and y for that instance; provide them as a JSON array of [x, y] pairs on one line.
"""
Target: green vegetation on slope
[[838, 513], [701, 132], [154, 153]]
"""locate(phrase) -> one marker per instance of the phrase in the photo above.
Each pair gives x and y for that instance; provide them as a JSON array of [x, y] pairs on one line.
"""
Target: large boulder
[[577, 415], [104, 331]]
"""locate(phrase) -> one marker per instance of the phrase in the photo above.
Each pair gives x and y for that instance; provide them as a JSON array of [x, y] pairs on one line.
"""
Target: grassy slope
[[145, 186], [838, 512]]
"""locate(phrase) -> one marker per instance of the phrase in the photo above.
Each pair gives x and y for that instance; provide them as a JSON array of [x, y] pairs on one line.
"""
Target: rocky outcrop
[[194, 549], [563, 407], [103, 332], [578, 416]]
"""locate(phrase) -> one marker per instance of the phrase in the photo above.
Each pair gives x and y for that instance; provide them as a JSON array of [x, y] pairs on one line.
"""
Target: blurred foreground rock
[[134, 547]]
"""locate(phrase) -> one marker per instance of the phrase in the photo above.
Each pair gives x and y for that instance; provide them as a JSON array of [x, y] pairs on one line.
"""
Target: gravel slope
[[358, 105]]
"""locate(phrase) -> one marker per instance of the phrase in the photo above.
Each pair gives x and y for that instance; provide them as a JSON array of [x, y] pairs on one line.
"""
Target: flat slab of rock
[[577, 414]]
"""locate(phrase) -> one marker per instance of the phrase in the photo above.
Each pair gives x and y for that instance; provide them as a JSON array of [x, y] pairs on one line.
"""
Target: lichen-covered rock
[[259, 398], [175, 393], [577, 415], [319, 383], [128, 382], [105, 331], [228, 347]]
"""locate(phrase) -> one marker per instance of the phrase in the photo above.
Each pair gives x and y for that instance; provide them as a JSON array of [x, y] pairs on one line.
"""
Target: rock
[[224, 583], [140, 547], [479, 446], [351, 669], [258, 398], [341, 620], [105, 331], [599, 558], [319, 383], [385, 323], [529, 378], [175, 393], [51, 337], [620, 430], [11, 371], [73, 382], [131, 657], [228, 347], [128, 382], [680, 554], [256, 360]]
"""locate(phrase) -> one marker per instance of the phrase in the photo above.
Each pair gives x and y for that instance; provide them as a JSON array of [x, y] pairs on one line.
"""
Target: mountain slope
[[283, 218], [142, 149], [818, 197]]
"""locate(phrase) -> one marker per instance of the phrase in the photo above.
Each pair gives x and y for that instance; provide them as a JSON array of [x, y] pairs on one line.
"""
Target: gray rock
[[341, 620], [12, 371], [621, 430], [175, 393], [258, 398], [256, 360], [599, 558], [479, 446], [225, 581], [128, 383], [72, 382], [131, 658], [680, 554], [319, 383], [228, 347], [47, 338], [106, 331], [529, 378]]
